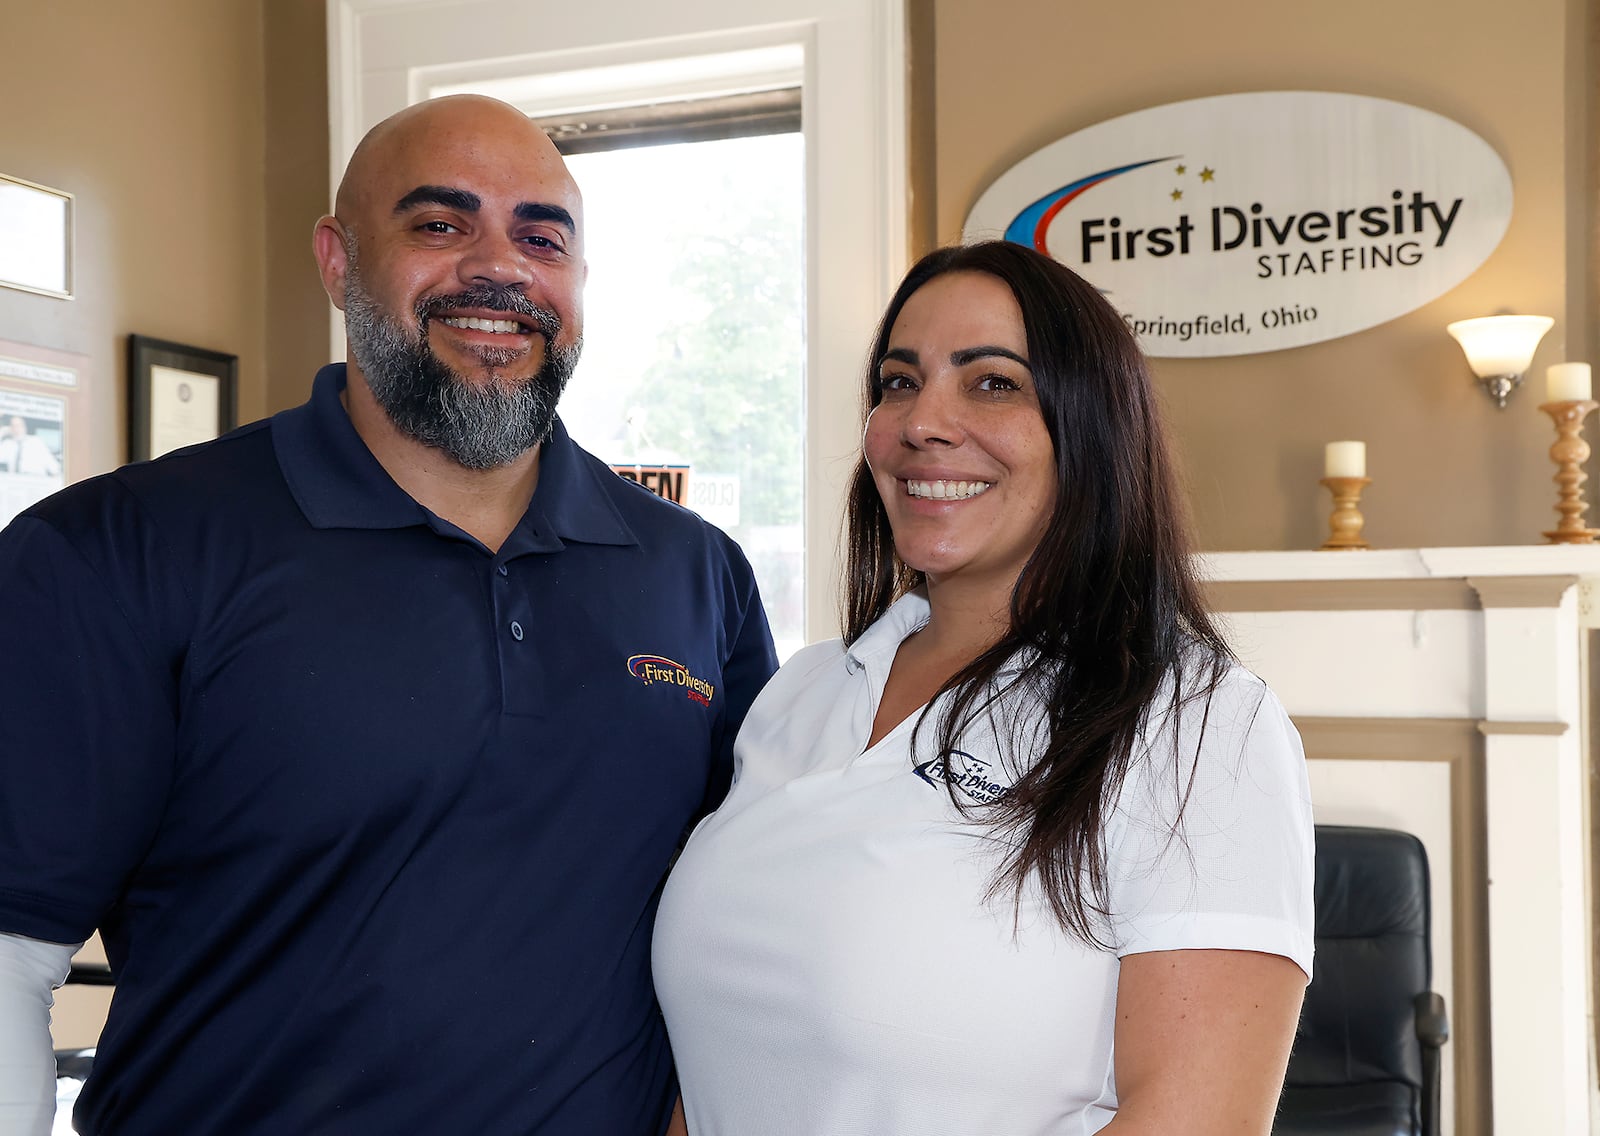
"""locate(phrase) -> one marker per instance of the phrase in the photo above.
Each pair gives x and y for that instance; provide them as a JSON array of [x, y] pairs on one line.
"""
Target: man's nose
[[494, 258]]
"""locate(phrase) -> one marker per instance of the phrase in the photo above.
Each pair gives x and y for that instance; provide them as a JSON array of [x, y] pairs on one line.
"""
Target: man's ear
[[328, 246]]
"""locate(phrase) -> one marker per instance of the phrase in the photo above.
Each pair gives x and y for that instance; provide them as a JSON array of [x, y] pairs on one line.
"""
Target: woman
[[1026, 852]]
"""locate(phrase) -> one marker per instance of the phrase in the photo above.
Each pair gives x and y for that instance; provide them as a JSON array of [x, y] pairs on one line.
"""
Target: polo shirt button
[[516, 631], [503, 570]]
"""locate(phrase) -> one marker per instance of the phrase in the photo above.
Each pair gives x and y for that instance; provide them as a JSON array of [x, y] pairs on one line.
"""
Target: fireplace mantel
[[1405, 563]]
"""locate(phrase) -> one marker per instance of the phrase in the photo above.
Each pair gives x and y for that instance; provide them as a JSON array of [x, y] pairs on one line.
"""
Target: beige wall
[[1447, 467], [297, 310]]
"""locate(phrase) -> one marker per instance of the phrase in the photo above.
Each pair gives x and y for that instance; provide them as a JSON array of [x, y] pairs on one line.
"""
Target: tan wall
[[1447, 467], [296, 195]]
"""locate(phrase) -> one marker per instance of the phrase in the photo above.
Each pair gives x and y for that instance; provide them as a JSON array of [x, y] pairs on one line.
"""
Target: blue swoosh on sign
[[1028, 227]]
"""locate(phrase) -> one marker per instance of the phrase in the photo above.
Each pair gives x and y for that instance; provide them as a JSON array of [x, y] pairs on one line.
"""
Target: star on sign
[[1182, 169], [1207, 174], [1177, 195]]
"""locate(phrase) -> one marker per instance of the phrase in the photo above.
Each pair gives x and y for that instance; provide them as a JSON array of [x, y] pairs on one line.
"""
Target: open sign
[[669, 481]]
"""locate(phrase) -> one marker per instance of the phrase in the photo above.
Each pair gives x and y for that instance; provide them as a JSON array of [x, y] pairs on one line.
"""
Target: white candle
[[1345, 459], [1567, 382]]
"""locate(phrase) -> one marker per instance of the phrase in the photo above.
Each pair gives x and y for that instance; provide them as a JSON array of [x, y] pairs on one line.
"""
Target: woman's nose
[[933, 418]]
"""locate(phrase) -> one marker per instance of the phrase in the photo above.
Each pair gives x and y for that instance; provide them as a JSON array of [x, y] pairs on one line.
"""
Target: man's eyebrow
[[469, 202], [988, 350], [539, 211], [439, 195]]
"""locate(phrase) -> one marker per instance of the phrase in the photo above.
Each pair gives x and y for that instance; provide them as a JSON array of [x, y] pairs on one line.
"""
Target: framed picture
[[45, 417], [35, 238], [33, 444], [177, 396]]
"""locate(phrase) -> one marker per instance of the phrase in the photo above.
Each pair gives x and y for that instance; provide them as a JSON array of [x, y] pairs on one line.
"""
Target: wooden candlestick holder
[[1344, 526], [1569, 453]]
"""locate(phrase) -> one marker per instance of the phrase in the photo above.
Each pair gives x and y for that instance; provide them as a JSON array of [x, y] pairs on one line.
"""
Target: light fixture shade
[[1500, 345]]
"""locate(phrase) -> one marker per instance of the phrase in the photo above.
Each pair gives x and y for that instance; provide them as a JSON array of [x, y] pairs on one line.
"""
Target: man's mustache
[[494, 297]]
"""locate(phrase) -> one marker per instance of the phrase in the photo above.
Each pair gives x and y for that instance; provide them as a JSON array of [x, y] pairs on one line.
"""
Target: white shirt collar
[[905, 616]]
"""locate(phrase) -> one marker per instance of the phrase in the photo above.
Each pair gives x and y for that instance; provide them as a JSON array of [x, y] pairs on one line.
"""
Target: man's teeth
[[476, 324], [946, 490]]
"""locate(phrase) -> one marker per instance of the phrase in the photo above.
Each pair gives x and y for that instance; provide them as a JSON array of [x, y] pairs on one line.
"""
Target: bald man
[[365, 734]]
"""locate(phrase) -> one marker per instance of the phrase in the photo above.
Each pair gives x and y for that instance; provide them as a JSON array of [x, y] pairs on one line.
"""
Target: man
[[22, 452], [365, 734]]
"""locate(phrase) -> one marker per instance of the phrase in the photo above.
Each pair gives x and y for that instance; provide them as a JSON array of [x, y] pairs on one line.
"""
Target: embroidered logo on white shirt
[[971, 775]]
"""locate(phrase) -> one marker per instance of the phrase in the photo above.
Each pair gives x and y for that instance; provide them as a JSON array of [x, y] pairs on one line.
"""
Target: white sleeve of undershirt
[[29, 970]]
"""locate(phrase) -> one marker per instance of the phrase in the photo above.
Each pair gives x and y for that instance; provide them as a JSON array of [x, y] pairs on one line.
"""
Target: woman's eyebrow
[[973, 354]]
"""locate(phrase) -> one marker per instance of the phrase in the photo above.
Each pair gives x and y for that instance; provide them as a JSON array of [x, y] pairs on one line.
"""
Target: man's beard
[[479, 425]]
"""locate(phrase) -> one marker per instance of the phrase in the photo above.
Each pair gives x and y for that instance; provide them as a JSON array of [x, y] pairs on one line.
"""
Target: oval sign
[[1238, 224]]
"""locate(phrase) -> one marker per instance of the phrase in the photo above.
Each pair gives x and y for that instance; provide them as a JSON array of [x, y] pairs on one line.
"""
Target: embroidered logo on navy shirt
[[651, 669], [967, 773]]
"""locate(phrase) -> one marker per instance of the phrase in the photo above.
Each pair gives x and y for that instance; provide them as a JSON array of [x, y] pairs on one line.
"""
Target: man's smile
[[474, 323]]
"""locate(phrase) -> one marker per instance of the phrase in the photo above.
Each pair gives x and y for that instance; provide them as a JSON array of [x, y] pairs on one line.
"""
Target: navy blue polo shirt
[[373, 821]]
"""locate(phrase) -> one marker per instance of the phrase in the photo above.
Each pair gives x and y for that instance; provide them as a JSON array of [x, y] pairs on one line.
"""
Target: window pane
[[694, 339]]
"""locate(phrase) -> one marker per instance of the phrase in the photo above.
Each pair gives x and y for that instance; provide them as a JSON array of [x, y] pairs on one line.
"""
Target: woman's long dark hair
[[1106, 616]]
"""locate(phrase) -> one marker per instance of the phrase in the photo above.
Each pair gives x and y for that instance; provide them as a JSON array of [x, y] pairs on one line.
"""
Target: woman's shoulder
[[1209, 690], [812, 658], [812, 670], [1214, 724], [1232, 695]]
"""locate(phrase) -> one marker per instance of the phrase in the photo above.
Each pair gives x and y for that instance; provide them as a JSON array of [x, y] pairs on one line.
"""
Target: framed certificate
[[177, 396]]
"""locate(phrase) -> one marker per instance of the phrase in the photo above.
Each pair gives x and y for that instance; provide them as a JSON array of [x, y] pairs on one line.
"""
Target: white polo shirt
[[824, 955]]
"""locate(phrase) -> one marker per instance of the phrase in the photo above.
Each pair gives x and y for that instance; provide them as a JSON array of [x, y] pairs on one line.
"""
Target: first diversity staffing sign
[[1245, 223]]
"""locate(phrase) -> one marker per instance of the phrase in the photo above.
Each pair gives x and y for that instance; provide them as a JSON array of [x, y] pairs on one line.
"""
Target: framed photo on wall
[[33, 444], [45, 416], [177, 396]]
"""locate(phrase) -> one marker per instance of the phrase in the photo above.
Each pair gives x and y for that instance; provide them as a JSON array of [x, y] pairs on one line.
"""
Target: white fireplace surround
[[1443, 691]]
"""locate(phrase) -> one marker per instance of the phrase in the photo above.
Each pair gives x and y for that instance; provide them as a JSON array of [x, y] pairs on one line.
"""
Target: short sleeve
[[1210, 844], [86, 737]]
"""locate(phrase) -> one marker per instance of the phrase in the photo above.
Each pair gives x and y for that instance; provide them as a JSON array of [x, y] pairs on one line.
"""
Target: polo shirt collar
[[907, 615], [571, 501], [878, 643], [334, 478], [339, 484]]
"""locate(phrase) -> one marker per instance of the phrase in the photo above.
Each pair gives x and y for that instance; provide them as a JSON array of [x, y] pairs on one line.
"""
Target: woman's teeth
[[946, 490]]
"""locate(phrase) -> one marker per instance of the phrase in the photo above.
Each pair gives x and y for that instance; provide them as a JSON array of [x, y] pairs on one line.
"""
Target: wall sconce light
[[1499, 349]]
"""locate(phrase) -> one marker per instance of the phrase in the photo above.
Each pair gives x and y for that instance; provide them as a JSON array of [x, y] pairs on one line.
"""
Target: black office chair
[[1366, 1058]]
